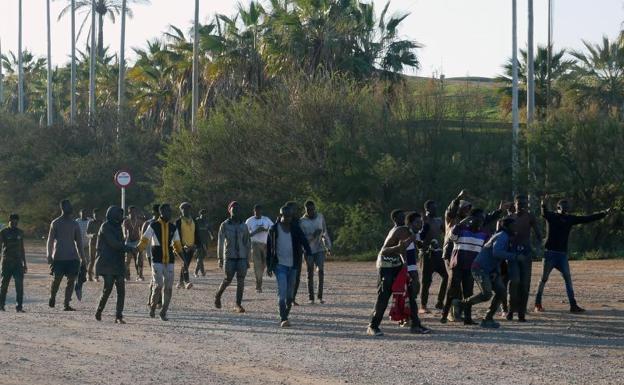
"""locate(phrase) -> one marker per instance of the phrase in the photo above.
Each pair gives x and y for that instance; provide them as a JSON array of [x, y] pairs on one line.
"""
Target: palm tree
[[559, 70], [103, 8], [598, 75], [33, 77]]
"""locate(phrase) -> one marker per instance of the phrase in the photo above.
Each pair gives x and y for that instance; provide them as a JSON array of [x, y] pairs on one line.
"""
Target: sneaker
[[443, 320], [217, 302], [98, 316], [139, 279], [239, 309], [521, 318], [509, 316], [321, 301], [469, 322], [489, 324], [374, 332], [538, 308], [18, 310], [439, 306], [285, 324], [2, 308], [179, 285], [419, 330], [79, 294], [311, 302], [295, 303], [188, 286], [68, 308], [152, 312], [424, 310], [576, 309], [163, 317], [120, 321], [52, 302]]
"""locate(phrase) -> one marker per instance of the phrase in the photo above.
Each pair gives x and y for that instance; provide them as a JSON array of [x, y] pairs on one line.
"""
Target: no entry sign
[[123, 179]]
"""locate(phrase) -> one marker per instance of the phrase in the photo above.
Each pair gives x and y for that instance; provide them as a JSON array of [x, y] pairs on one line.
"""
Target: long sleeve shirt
[[164, 239], [467, 244], [65, 240], [233, 241], [12, 247], [558, 227], [496, 250]]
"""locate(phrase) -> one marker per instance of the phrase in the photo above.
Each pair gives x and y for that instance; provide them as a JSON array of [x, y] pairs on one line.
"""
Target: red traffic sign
[[122, 179]]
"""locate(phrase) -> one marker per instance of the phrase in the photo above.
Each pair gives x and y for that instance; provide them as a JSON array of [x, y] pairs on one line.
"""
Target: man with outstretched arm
[[558, 227], [164, 239], [519, 270], [486, 271], [13, 262], [234, 244], [65, 253], [110, 264], [431, 257]]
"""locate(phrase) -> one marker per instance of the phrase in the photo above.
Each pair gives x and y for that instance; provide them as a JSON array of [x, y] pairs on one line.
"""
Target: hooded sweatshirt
[[111, 248]]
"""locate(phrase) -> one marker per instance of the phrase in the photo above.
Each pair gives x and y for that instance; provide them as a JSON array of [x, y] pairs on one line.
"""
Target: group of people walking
[[494, 250]]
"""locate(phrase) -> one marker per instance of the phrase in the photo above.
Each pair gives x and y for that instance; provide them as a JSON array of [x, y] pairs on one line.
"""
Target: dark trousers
[[519, 285], [187, 257], [318, 260], [460, 287], [487, 284], [298, 280], [556, 260], [119, 282], [82, 276], [238, 268], [17, 273], [432, 262], [202, 253], [385, 280], [68, 269]]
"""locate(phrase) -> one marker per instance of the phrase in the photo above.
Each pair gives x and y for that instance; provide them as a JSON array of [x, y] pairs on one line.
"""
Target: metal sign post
[[123, 179]]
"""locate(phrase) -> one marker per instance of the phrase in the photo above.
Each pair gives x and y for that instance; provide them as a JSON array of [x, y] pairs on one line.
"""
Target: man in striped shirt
[[468, 239]]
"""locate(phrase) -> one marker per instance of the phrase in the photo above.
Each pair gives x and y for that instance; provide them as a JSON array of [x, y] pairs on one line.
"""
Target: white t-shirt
[[253, 223]]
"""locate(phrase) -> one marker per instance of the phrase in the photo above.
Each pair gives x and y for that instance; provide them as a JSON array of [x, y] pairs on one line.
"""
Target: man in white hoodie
[[315, 229]]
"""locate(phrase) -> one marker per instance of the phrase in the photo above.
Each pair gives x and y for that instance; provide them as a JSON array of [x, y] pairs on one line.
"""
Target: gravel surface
[[326, 345]]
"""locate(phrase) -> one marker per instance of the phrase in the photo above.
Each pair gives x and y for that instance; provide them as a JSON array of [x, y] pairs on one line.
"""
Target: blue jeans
[[556, 260], [285, 277]]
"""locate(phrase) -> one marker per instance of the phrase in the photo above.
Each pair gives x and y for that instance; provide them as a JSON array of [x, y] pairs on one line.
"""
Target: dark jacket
[[111, 249], [299, 243]]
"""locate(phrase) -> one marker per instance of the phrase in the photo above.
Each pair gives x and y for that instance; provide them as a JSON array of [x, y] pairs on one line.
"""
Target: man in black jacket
[[110, 264], [296, 214], [282, 260], [558, 226], [13, 262]]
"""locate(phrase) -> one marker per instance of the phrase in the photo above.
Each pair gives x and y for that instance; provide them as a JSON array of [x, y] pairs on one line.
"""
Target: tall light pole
[[514, 97], [195, 90], [122, 61], [530, 68], [1, 79], [92, 59], [49, 85], [550, 47], [20, 64], [72, 112]]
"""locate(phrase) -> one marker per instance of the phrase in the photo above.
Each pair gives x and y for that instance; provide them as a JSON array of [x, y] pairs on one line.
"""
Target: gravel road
[[326, 345]]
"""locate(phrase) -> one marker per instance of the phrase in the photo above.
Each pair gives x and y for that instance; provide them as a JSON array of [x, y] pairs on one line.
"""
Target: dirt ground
[[326, 345]]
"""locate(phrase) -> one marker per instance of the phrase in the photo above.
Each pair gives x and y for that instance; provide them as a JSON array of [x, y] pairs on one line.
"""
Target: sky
[[459, 37]]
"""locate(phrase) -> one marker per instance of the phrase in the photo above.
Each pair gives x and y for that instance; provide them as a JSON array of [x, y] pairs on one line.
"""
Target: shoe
[[79, 294], [521, 318], [419, 330], [285, 324], [439, 306], [538, 308], [203, 274], [424, 310], [68, 308], [98, 316], [509, 316], [443, 320], [52, 302], [469, 322], [374, 332], [489, 324], [451, 317], [295, 303], [17, 309], [239, 309], [179, 285], [258, 291], [2, 308], [217, 302], [311, 302], [163, 317], [576, 309], [188, 286], [321, 301], [139, 279], [152, 312], [195, 275], [120, 321]]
